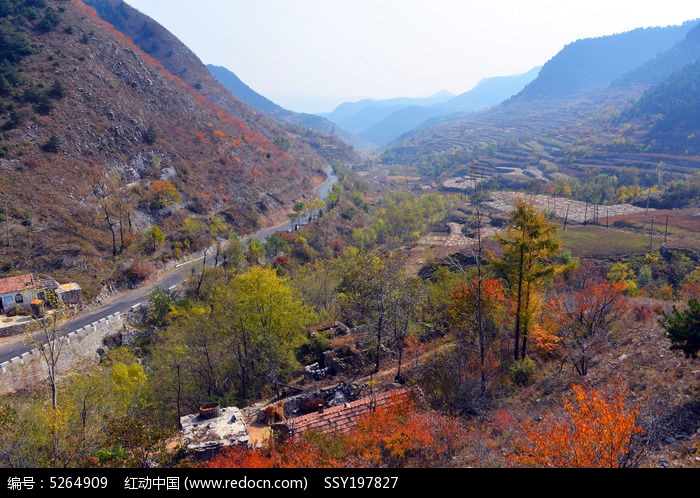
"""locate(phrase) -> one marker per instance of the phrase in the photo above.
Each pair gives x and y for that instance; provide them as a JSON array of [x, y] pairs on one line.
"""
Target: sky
[[311, 55]]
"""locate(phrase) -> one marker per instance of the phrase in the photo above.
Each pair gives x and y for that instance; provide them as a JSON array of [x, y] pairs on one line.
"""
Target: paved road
[[123, 302]]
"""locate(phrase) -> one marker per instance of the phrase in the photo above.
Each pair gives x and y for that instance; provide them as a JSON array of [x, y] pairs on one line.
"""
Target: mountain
[[674, 122], [356, 117], [157, 42], [488, 92], [242, 91], [594, 63], [663, 64], [576, 118], [110, 158], [379, 122]]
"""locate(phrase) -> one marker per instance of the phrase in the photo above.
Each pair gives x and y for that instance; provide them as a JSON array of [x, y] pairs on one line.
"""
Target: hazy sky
[[353, 49]]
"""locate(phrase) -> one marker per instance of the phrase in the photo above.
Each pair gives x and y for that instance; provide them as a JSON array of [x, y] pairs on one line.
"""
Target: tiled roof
[[342, 418], [16, 283]]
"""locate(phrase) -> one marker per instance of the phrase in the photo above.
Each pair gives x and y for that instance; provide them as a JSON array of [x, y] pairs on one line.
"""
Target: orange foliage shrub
[[544, 338], [595, 431], [399, 434]]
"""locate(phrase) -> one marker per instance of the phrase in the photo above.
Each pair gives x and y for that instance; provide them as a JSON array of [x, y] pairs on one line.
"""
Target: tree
[[477, 310], [238, 341], [52, 145], [583, 313], [595, 431], [262, 324], [682, 327], [90, 427], [254, 253], [530, 248], [163, 194], [155, 237], [161, 304], [115, 200], [233, 254], [49, 345], [405, 315], [461, 310], [372, 292]]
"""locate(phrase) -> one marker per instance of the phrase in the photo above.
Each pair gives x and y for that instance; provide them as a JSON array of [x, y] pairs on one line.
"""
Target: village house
[[20, 291]]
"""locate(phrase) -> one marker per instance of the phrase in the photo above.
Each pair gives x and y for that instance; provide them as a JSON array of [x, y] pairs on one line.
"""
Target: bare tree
[[49, 344]]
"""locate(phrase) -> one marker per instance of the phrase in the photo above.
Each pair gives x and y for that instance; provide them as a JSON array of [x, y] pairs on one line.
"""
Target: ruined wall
[[77, 347]]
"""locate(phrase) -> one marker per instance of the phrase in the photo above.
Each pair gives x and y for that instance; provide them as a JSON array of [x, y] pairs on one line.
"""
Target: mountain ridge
[[245, 93], [382, 121], [557, 120]]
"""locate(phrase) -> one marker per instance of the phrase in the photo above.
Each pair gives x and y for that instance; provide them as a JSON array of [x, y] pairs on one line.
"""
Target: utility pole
[[651, 235]]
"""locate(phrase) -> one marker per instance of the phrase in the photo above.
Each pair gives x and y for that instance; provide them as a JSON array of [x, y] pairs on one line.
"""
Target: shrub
[[52, 145], [522, 371]]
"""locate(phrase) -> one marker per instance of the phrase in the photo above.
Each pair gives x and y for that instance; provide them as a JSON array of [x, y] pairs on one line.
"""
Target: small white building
[[212, 428]]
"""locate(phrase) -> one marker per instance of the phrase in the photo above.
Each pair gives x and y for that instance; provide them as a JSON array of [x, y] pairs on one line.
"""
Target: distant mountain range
[[629, 100], [381, 121], [369, 123]]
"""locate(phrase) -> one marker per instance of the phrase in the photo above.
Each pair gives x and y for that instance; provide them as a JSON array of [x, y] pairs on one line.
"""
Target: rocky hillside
[[309, 131], [102, 141]]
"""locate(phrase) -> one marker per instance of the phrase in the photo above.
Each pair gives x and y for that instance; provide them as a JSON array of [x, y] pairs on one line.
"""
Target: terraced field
[[574, 136]]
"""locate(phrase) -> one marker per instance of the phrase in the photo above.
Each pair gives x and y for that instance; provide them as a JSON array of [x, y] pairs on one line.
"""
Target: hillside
[[560, 125], [593, 63], [100, 139], [160, 44]]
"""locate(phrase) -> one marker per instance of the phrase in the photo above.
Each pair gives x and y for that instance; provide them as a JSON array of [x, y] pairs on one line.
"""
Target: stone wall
[[77, 347]]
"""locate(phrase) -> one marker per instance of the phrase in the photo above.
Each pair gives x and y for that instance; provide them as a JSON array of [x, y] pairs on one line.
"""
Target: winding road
[[125, 301]]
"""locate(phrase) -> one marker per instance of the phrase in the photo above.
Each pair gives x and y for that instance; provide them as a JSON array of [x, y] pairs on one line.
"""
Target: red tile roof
[[17, 283], [342, 418]]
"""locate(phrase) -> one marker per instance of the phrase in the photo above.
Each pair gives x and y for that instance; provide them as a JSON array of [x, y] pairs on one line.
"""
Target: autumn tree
[[530, 248], [238, 340], [477, 311], [263, 324], [89, 427], [682, 327], [595, 430], [404, 431], [372, 292], [188, 362], [154, 237], [48, 343], [254, 253], [317, 282], [582, 313], [163, 194], [407, 304]]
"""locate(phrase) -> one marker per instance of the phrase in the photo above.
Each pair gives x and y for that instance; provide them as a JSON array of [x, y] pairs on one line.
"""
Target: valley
[[461, 291]]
